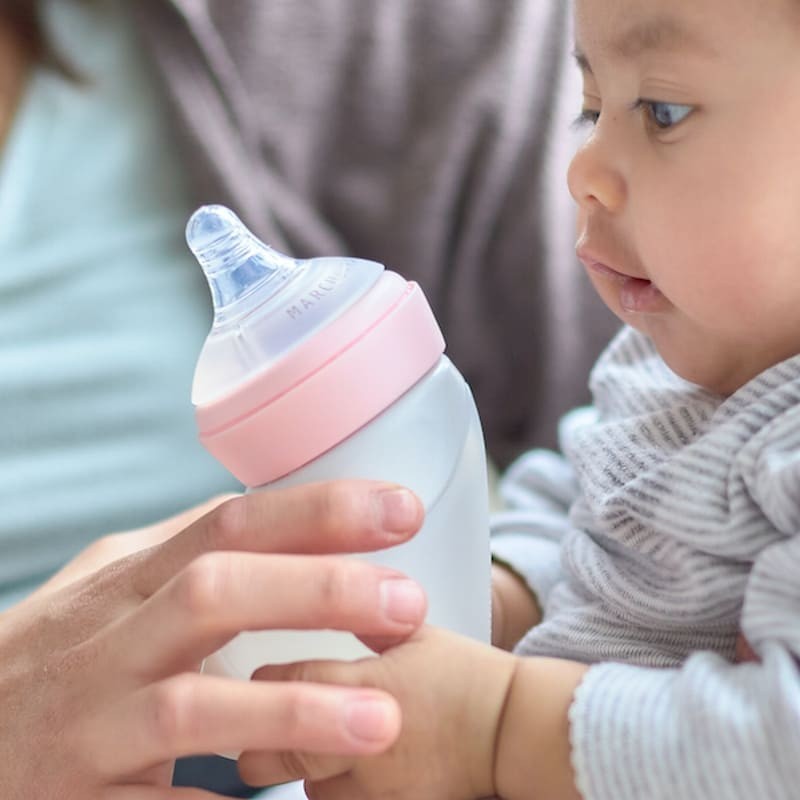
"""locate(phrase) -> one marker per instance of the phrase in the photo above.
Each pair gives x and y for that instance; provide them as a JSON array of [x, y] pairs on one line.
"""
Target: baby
[[664, 552]]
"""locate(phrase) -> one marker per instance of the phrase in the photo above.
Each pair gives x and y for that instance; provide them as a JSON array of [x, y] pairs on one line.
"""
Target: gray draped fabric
[[682, 533], [431, 135]]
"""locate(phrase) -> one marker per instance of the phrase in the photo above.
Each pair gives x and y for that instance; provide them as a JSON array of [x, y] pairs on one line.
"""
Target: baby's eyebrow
[[663, 33], [659, 33]]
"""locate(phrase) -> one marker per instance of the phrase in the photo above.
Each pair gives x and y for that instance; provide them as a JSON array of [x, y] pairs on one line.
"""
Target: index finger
[[322, 518]]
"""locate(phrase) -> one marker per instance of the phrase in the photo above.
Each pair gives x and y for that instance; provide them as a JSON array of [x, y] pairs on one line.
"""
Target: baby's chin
[[717, 372]]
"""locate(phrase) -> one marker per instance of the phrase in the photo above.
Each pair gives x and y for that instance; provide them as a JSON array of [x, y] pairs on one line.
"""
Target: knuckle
[[300, 714], [227, 524], [107, 549], [305, 672], [170, 711], [76, 659], [294, 764], [343, 511], [106, 545], [295, 672], [334, 590], [200, 586]]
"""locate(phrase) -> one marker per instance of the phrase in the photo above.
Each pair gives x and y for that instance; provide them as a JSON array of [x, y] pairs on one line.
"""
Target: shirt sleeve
[[537, 491], [710, 728]]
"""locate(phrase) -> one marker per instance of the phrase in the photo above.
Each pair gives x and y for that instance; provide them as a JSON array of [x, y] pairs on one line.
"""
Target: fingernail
[[370, 719], [402, 600], [399, 510]]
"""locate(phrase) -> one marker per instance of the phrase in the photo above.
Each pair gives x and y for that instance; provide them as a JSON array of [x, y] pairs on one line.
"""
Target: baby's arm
[[711, 728], [476, 722], [537, 491], [532, 749], [515, 608]]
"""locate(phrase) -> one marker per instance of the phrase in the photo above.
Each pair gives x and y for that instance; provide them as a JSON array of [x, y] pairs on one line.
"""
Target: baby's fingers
[[339, 787], [373, 721], [158, 793], [268, 768]]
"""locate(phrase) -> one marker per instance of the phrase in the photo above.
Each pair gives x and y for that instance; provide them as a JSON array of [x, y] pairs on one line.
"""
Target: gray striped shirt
[[668, 530]]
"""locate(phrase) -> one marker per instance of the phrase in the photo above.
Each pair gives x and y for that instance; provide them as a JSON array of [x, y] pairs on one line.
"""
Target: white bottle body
[[429, 440]]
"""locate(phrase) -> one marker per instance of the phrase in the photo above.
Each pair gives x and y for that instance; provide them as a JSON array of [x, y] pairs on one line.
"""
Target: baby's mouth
[[636, 295], [639, 295], [612, 273]]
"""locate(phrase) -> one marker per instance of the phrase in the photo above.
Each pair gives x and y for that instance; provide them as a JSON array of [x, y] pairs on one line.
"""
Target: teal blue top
[[102, 309]]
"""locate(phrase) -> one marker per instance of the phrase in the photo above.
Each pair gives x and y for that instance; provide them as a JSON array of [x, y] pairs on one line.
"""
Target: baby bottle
[[334, 368]]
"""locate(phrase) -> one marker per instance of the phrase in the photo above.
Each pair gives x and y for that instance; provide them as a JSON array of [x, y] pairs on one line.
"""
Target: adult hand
[[451, 692], [114, 546], [98, 681]]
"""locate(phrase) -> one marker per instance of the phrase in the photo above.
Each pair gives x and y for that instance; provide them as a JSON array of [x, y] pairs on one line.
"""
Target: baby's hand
[[451, 691], [515, 609]]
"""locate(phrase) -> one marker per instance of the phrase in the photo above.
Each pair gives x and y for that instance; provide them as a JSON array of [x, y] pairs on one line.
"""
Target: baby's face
[[688, 183]]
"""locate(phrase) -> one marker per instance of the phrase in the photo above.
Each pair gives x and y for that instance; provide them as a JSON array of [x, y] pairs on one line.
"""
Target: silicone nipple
[[235, 262], [265, 303]]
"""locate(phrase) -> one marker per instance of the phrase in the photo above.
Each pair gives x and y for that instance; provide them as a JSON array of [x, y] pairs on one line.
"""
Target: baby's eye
[[664, 115], [588, 116]]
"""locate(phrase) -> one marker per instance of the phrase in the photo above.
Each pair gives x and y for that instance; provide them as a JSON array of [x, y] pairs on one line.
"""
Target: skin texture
[[477, 722], [455, 759], [514, 608], [705, 209], [98, 668], [688, 188], [688, 232]]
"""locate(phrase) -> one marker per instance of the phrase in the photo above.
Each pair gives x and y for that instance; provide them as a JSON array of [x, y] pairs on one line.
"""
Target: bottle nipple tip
[[209, 224], [235, 262]]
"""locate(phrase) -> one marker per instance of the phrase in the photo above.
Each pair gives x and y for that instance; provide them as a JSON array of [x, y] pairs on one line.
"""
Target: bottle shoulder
[[418, 441]]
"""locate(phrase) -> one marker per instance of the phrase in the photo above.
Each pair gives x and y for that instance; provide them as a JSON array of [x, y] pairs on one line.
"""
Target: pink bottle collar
[[326, 388]]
